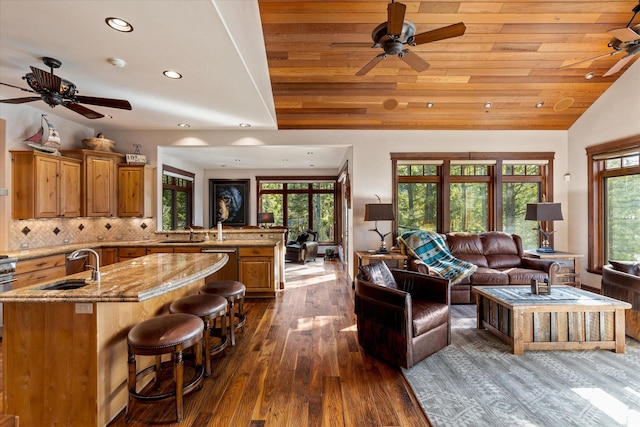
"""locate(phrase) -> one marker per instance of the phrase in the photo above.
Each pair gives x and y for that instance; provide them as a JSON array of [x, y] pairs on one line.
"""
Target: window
[[300, 205], [177, 198], [460, 193], [614, 206]]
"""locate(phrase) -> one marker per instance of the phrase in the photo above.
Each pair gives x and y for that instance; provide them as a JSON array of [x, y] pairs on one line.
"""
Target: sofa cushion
[[489, 276], [467, 247], [629, 267], [523, 276], [500, 250], [427, 315], [378, 273]]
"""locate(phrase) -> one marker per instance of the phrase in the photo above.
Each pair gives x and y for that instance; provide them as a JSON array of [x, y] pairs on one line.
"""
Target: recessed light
[[487, 105], [590, 75], [539, 104], [184, 125], [119, 24], [430, 104], [244, 125], [172, 74], [309, 152]]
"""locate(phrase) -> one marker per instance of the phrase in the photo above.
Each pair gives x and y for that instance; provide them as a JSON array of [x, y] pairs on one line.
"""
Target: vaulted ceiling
[[512, 56]]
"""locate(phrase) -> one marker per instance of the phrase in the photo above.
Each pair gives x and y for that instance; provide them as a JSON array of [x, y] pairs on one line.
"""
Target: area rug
[[476, 381]]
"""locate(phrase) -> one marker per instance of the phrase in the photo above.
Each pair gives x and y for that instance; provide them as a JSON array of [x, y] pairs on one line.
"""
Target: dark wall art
[[228, 202]]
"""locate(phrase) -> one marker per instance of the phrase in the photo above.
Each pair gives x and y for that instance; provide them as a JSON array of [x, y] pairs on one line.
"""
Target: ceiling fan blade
[[414, 60], [104, 102], [351, 45], [615, 52], [624, 34], [47, 80], [364, 70], [18, 87], [89, 114], [395, 18], [618, 65], [20, 100], [454, 30]]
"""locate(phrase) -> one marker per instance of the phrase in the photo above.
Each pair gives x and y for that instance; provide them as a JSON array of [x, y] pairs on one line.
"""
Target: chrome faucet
[[95, 272]]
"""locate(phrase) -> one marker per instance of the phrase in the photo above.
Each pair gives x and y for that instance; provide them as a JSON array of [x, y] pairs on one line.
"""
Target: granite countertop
[[135, 280], [64, 249]]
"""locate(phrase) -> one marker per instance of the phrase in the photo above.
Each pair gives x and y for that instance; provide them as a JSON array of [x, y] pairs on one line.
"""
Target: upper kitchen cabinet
[[136, 184], [44, 185], [99, 180]]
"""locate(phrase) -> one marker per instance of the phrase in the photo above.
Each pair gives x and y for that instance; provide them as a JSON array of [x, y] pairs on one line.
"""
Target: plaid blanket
[[430, 247]]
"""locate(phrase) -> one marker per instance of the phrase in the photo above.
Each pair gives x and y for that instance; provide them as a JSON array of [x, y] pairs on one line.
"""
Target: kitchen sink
[[63, 285]]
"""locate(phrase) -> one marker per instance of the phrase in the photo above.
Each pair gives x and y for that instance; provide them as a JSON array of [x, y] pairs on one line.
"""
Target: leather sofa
[[500, 261], [304, 248], [621, 280], [402, 316]]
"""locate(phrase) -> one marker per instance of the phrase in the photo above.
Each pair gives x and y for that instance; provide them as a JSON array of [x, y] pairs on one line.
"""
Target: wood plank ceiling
[[510, 55]]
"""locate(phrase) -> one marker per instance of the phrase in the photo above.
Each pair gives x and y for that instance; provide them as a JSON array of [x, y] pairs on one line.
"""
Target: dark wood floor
[[297, 363]]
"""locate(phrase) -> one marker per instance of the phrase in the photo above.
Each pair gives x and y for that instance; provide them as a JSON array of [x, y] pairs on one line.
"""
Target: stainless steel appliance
[[7, 272]]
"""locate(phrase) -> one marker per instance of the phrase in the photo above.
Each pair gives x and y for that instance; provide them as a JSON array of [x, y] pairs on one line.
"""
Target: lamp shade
[[543, 212], [379, 212], [265, 218]]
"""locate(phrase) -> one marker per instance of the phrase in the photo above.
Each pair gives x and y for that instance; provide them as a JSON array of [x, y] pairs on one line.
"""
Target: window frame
[[181, 174], [495, 161], [310, 191], [597, 172]]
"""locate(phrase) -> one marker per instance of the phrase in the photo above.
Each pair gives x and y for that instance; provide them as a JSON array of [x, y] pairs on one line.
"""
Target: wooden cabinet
[[99, 181], [33, 271], [136, 190], [128, 253], [108, 256], [256, 270], [569, 266], [44, 185]]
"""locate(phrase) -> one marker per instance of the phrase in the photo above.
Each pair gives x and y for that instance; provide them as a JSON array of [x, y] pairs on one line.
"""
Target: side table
[[569, 266], [393, 260]]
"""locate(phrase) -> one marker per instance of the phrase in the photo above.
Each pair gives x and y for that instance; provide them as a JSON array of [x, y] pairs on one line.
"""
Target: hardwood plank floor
[[297, 363]]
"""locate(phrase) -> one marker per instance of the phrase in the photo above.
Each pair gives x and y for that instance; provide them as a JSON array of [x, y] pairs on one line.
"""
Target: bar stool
[[208, 307], [171, 333], [233, 291]]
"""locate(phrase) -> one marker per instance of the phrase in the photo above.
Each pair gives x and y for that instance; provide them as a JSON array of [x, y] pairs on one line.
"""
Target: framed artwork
[[228, 202]]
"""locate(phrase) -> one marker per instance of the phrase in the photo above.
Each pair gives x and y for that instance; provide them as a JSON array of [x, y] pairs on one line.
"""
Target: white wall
[[615, 115]]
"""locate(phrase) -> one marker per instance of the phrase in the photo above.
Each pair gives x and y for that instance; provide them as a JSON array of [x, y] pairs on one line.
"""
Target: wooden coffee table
[[568, 319]]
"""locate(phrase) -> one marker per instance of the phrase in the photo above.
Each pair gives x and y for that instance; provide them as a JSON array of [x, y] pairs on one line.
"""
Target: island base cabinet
[[66, 363], [257, 271]]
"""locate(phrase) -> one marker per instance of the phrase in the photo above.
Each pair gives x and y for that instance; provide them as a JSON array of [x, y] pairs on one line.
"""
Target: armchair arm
[[389, 308], [423, 286]]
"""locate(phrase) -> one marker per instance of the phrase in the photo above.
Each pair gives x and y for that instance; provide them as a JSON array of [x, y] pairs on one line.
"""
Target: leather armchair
[[304, 248], [402, 325]]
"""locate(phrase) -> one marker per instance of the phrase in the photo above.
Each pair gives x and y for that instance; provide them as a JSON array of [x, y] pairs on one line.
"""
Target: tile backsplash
[[38, 233]]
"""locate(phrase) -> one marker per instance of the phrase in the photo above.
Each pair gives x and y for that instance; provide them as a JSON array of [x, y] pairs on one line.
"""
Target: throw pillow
[[378, 273], [302, 237], [629, 267]]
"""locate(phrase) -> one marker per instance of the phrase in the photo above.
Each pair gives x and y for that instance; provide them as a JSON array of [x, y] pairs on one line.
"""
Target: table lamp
[[544, 212], [265, 218], [379, 212]]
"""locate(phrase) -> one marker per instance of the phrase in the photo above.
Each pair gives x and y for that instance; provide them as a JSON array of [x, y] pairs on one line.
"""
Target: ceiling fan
[[57, 91], [626, 39], [394, 34]]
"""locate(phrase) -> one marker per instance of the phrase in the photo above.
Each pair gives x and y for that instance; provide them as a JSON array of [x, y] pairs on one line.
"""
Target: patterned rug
[[476, 381]]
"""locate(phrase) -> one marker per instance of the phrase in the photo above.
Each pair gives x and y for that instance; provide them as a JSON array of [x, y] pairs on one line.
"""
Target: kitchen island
[[65, 352]]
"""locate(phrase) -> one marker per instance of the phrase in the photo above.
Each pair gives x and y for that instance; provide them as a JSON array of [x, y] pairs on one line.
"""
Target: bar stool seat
[[234, 292], [171, 333], [208, 307]]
